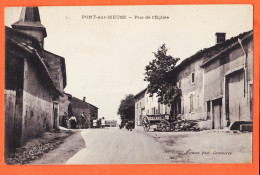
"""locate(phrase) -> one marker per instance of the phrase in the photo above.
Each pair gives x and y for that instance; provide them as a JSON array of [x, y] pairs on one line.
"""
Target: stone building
[[34, 80], [228, 82], [79, 106], [216, 85], [216, 82]]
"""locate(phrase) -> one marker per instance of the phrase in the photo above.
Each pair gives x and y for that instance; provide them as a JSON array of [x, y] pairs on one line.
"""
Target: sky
[[105, 58]]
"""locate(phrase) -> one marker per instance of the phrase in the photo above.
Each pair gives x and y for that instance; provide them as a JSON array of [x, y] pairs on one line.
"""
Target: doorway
[[55, 115], [217, 114]]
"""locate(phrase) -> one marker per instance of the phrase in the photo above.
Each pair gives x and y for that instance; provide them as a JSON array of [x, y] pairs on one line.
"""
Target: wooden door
[[217, 114], [236, 97]]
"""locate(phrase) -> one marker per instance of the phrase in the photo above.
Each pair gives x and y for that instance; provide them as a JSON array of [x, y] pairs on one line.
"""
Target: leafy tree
[[155, 75], [126, 109]]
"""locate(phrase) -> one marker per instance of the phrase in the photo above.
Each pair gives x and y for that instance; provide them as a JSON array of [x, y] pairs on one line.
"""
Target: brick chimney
[[84, 99], [220, 37]]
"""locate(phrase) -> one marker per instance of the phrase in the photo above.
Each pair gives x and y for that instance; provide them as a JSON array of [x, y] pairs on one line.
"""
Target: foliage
[[126, 109], [155, 75]]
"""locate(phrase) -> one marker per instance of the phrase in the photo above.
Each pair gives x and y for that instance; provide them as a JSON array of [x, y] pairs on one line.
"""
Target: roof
[[208, 53], [30, 17], [81, 102], [68, 94], [10, 37], [24, 37], [243, 36], [142, 93]]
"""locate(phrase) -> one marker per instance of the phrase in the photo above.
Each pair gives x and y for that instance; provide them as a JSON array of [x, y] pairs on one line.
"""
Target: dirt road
[[106, 146], [114, 146], [212, 146]]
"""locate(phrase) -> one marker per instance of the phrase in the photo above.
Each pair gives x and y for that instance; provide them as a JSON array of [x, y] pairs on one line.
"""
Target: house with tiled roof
[[34, 80], [216, 83]]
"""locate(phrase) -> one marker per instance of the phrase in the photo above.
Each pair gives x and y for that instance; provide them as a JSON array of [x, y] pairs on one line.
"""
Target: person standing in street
[[83, 120], [103, 122]]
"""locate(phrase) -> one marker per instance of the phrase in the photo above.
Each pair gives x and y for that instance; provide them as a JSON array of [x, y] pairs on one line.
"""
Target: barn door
[[236, 97]]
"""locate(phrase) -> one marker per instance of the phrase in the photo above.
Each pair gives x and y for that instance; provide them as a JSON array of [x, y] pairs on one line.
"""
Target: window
[[208, 106], [192, 77], [191, 103]]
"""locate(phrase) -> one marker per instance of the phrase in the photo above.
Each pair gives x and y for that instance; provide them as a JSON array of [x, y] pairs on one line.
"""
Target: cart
[[161, 122]]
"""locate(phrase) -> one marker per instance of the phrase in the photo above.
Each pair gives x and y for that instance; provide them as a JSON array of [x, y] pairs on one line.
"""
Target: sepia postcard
[[147, 84]]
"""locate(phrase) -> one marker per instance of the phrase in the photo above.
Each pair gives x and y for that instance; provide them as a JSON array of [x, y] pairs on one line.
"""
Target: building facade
[[32, 85], [139, 107], [78, 107], [146, 105], [228, 78], [216, 83]]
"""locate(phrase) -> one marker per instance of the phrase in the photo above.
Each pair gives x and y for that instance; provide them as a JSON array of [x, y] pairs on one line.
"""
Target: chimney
[[220, 37], [84, 99]]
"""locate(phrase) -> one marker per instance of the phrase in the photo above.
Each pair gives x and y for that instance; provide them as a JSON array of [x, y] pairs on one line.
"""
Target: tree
[[155, 75], [126, 109]]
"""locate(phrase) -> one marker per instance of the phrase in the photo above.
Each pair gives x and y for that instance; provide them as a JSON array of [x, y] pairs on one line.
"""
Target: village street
[[115, 146], [106, 146]]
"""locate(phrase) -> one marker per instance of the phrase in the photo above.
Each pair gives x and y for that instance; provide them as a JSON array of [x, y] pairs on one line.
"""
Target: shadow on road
[[61, 155]]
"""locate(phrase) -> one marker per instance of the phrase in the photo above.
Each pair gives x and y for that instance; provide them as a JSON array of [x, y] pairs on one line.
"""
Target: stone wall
[[9, 96], [37, 103]]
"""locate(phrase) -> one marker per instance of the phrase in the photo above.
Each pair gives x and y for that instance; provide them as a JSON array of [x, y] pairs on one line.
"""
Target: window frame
[[192, 78]]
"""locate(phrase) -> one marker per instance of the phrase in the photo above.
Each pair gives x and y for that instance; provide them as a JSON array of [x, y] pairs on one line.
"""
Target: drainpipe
[[245, 69]]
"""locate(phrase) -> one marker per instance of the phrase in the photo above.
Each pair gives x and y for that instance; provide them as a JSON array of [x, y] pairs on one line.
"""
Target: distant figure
[[73, 122], [83, 120], [103, 122]]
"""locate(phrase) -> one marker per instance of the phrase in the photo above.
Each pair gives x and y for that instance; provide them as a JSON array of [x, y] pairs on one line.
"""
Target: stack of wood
[[186, 125]]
